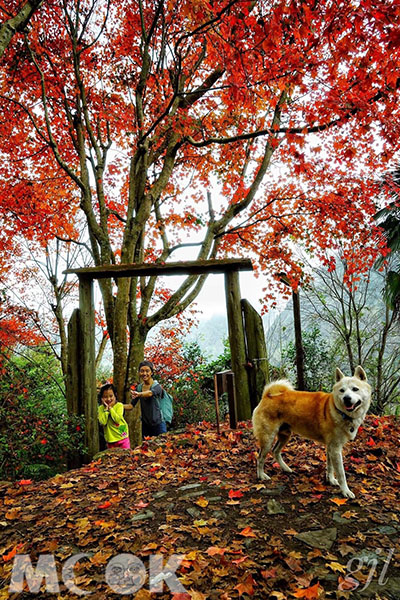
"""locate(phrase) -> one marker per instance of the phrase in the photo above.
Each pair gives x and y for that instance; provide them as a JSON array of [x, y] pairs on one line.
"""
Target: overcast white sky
[[211, 300]]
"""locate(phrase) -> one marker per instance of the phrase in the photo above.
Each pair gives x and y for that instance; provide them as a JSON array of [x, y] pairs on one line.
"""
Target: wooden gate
[[81, 381], [256, 352]]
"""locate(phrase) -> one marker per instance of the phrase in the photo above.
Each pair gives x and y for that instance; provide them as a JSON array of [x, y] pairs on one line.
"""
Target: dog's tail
[[276, 388]]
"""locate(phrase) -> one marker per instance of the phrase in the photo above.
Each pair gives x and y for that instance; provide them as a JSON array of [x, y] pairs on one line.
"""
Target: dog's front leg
[[335, 453], [330, 475]]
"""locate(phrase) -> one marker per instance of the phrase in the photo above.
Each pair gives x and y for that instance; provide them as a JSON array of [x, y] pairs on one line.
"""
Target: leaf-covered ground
[[195, 494]]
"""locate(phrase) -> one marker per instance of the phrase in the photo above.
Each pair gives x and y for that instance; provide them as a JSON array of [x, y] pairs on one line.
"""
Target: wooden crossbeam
[[196, 267]]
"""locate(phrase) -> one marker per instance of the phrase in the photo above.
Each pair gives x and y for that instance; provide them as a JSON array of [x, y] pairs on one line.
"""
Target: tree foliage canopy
[[117, 117]]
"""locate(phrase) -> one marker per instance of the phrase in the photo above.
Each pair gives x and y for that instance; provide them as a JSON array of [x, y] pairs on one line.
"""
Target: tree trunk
[[380, 399], [237, 344], [136, 355], [120, 342]]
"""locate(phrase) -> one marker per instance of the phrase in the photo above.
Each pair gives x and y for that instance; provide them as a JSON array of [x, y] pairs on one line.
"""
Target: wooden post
[[216, 401], [231, 391], [301, 385], [88, 376], [73, 382], [237, 344], [256, 352], [224, 383]]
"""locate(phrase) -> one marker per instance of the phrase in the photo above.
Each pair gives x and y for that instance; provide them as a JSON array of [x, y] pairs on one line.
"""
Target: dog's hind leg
[[265, 441], [284, 434]]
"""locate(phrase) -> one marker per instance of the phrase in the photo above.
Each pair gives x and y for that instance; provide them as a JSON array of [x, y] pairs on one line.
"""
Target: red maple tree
[[121, 116]]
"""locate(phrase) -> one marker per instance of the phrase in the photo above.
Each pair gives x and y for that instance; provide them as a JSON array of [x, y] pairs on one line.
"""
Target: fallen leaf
[[349, 514], [372, 457], [339, 501], [213, 550], [246, 587], [269, 574], [143, 594], [290, 532], [12, 553], [247, 532], [346, 549], [238, 561], [101, 558], [194, 595], [310, 593], [293, 564], [335, 566], [348, 583], [316, 553], [13, 513], [82, 524], [202, 502], [191, 556], [235, 494]]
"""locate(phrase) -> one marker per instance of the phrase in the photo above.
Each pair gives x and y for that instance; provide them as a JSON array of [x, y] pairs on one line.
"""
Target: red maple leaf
[[311, 593], [235, 494], [12, 553], [247, 532]]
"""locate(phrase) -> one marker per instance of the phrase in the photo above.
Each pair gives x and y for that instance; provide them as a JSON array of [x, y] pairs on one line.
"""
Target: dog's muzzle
[[348, 404]]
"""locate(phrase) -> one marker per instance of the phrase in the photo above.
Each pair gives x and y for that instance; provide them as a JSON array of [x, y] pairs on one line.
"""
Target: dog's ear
[[338, 374], [360, 373]]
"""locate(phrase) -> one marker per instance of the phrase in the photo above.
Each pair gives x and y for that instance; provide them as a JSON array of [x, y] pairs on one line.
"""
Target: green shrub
[[317, 358], [193, 391], [36, 445], [37, 436]]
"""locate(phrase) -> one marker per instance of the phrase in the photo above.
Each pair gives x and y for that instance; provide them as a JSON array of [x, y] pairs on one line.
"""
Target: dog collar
[[345, 417]]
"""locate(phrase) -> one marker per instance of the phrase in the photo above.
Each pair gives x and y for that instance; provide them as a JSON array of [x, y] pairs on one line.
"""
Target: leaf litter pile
[[195, 494]]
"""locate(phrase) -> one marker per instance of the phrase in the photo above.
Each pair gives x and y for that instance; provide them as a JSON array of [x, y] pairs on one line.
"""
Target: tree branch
[[17, 23]]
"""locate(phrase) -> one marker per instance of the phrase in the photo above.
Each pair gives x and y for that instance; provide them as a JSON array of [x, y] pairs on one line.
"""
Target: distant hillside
[[210, 335]]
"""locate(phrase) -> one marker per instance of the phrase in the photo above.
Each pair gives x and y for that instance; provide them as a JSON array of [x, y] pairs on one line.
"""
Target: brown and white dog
[[332, 419]]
